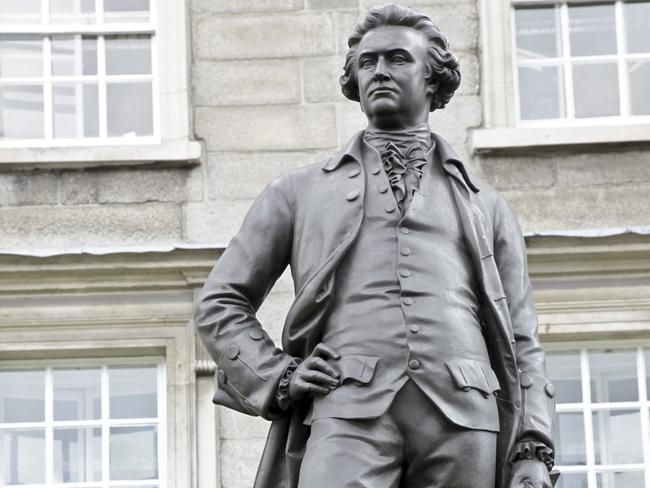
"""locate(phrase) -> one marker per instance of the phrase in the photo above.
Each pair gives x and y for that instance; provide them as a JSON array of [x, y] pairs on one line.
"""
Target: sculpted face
[[392, 77]]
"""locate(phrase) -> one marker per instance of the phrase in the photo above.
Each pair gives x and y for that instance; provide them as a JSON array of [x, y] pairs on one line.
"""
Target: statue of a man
[[410, 356]]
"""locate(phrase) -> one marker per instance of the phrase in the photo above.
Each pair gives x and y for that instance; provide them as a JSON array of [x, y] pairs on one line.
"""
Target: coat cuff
[[534, 450], [282, 400]]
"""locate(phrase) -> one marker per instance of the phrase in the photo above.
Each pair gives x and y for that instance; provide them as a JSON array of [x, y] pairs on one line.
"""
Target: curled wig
[[442, 63]]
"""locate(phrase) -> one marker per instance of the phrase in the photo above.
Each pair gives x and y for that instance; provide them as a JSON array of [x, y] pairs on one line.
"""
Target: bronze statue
[[410, 356]]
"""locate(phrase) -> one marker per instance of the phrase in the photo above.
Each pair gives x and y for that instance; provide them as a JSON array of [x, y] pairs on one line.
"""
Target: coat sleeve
[[249, 365], [538, 406]]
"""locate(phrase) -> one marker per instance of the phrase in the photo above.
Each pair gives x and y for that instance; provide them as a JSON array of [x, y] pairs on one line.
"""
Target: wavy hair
[[442, 63]]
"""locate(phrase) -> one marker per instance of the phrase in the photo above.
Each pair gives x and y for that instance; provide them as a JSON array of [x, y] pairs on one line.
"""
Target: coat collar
[[450, 160]]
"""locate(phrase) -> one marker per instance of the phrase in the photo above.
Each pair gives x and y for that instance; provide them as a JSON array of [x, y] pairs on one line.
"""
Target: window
[[602, 421], [577, 61], [94, 424]]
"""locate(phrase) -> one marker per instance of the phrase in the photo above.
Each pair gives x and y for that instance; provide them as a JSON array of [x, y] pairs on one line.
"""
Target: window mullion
[[621, 49], [105, 428], [588, 425], [645, 419], [566, 62], [49, 430]]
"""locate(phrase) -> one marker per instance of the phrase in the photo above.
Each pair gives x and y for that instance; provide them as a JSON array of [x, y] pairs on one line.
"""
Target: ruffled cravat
[[403, 155]]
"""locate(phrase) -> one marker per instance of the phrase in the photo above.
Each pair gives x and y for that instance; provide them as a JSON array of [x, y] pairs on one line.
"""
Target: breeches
[[412, 445]]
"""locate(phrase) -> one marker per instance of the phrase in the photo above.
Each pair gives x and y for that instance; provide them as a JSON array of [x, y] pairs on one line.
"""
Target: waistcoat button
[[408, 301], [383, 189], [404, 230], [414, 328], [390, 208], [353, 195], [414, 364], [404, 273], [406, 251], [354, 173], [376, 170]]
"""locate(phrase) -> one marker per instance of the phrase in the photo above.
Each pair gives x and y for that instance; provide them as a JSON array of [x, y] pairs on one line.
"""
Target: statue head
[[399, 67]]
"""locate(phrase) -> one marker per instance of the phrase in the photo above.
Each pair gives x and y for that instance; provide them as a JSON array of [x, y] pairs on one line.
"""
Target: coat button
[[550, 390], [256, 334], [232, 352], [405, 251], [383, 188], [405, 273], [354, 173], [414, 328], [526, 381], [222, 376], [390, 208], [408, 301], [353, 195], [414, 364], [404, 230], [376, 170]]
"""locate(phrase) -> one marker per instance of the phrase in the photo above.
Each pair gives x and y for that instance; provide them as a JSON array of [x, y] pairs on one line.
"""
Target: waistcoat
[[405, 307]]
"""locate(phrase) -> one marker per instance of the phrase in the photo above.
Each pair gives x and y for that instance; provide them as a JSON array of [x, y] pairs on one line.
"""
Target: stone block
[[264, 36], [321, 78], [28, 188], [241, 6], [227, 171], [458, 21], [349, 120], [470, 72], [235, 425], [89, 226], [454, 121], [239, 461], [331, 4], [345, 23], [123, 186], [504, 172], [260, 128], [603, 168], [246, 82], [213, 223]]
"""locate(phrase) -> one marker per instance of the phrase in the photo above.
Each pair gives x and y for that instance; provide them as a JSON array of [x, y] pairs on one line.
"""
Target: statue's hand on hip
[[529, 473], [314, 376]]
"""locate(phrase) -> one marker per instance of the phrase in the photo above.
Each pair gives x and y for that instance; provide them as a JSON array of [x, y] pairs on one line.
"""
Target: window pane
[[617, 437], [570, 439], [23, 456], [134, 453], [133, 392], [637, 20], [21, 55], [639, 82], [126, 10], [592, 29], [541, 92], [130, 110], [74, 55], [76, 110], [21, 112], [77, 455], [572, 480], [613, 376], [20, 11], [620, 479], [128, 55], [77, 394], [564, 372], [72, 11], [22, 396], [595, 90], [537, 32]]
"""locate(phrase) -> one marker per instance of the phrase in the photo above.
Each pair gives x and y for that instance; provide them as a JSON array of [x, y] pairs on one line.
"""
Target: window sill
[[521, 139], [170, 153]]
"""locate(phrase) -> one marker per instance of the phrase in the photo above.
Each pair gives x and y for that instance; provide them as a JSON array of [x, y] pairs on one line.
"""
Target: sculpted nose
[[381, 71]]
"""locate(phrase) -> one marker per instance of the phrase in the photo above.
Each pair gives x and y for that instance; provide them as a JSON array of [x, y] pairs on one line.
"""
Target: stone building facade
[[103, 246]]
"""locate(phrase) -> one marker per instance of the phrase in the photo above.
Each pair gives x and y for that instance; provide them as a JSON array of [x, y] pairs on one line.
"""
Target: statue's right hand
[[314, 376]]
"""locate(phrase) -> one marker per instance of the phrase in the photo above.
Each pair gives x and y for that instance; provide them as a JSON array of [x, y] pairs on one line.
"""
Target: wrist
[[532, 450]]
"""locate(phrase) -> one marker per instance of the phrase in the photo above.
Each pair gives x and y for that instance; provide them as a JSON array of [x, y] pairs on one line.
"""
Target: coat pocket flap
[[357, 368], [468, 374]]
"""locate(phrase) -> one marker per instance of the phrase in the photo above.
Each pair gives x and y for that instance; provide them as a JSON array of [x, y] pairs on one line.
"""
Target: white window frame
[[503, 130], [171, 108], [105, 423], [643, 405]]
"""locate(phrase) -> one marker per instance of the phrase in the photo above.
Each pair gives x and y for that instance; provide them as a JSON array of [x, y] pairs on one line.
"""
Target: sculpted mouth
[[382, 89]]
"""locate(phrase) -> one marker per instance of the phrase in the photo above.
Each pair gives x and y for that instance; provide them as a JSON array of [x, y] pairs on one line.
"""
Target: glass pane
[[77, 394], [620, 479], [570, 439], [77, 455], [564, 372], [592, 29], [76, 110], [21, 112], [20, 11], [133, 392], [637, 20], [595, 90], [541, 95], [74, 55], [639, 82], [537, 32], [22, 456], [128, 55], [72, 11], [126, 10], [617, 437], [572, 480], [21, 55], [22, 396], [134, 453], [130, 109], [613, 376]]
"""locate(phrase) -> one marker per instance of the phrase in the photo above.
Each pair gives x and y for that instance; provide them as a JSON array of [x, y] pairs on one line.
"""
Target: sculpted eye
[[366, 62], [399, 58]]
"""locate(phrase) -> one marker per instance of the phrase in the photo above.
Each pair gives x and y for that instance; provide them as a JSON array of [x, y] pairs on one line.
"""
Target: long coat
[[308, 219]]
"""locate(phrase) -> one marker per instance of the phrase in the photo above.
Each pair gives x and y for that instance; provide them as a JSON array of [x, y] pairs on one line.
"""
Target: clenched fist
[[314, 376]]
